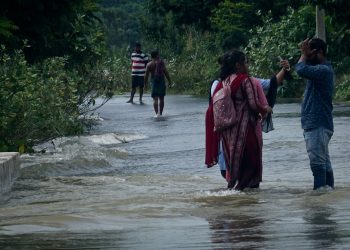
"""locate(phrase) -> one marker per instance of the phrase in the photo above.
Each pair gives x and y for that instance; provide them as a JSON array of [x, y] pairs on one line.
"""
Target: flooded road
[[140, 183]]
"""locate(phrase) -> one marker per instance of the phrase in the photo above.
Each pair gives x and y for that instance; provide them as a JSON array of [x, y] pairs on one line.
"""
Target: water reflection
[[235, 222], [98, 194], [323, 231], [232, 231], [47, 241]]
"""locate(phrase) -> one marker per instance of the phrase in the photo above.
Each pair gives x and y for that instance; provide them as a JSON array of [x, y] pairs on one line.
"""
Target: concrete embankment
[[9, 170]]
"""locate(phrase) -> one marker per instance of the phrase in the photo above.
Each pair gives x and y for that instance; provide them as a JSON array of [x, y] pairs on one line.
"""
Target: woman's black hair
[[228, 63]]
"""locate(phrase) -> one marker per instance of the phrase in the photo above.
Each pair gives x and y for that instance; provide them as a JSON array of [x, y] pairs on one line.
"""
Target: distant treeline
[[57, 56]]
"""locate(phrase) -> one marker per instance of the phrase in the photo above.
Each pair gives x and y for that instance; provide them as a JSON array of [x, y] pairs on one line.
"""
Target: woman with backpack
[[270, 89], [242, 141]]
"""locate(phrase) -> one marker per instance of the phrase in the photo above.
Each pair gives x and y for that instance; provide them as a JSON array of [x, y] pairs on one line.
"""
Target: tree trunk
[[320, 25]]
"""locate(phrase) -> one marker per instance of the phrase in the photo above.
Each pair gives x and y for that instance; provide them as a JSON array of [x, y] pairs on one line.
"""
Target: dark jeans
[[317, 141]]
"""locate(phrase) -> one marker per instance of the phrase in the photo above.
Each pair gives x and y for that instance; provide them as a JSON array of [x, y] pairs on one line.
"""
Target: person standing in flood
[[268, 86], [316, 111], [242, 142], [158, 71], [139, 61]]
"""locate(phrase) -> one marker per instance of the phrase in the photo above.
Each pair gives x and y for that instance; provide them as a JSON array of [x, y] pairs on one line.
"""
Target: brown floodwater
[[136, 182]]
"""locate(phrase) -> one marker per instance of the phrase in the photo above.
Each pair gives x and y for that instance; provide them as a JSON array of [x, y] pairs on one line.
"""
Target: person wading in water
[[156, 67], [139, 61], [316, 109], [241, 142]]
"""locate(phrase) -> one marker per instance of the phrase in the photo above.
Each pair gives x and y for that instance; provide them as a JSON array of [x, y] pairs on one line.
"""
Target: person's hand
[[268, 109], [285, 65], [305, 47]]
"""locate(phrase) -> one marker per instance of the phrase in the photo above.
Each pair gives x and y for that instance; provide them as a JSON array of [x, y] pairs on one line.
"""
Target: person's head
[[319, 55], [137, 47], [233, 62], [155, 54]]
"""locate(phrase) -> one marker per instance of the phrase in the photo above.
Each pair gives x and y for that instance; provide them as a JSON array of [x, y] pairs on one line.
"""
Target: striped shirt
[[138, 66]]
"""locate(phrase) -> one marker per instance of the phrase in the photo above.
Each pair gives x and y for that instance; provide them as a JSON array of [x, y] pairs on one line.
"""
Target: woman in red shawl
[[242, 143]]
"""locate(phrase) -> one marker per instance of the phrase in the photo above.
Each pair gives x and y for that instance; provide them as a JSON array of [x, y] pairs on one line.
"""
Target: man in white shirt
[[139, 61]]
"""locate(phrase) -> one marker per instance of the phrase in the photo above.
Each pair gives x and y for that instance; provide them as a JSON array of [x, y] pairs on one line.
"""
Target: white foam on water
[[90, 149], [91, 180], [111, 138], [91, 141], [105, 139], [26, 229], [93, 117], [220, 193]]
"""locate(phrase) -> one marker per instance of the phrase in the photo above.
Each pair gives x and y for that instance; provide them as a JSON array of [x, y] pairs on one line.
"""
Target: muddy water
[[140, 183]]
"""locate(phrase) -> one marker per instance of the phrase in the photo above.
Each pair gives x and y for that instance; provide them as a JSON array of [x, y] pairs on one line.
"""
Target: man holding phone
[[316, 113]]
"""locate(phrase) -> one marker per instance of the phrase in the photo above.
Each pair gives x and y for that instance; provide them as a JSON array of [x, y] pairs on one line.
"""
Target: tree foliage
[[185, 12], [274, 39], [37, 101], [122, 20], [60, 55], [52, 28], [53, 68], [232, 21], [6, 28], [337, 24]]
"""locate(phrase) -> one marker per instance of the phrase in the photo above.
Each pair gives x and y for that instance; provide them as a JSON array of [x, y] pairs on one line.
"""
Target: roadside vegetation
[[57, 57]]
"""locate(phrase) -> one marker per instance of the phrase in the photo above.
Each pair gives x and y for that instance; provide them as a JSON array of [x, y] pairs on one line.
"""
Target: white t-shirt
[[213, 87]]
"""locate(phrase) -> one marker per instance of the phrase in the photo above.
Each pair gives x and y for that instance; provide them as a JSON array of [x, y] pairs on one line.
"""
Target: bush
[[118, 68], [46, 99], [37, 101], [342, 89]]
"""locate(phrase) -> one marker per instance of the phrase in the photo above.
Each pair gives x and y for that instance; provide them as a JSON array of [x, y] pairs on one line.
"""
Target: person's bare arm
[[147, 75], [166, 73], [281, 74]]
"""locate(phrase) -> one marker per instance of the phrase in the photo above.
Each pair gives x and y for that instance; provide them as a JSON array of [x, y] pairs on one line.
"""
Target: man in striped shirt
[[139, 61]]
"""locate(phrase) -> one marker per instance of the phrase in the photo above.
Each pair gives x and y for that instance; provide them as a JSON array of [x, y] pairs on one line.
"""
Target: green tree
[[231, 22], [338, 30], [6, 28], [275, 39], [185, 12], [122, 21], [48, 26], [37, 101], [56, 75]]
